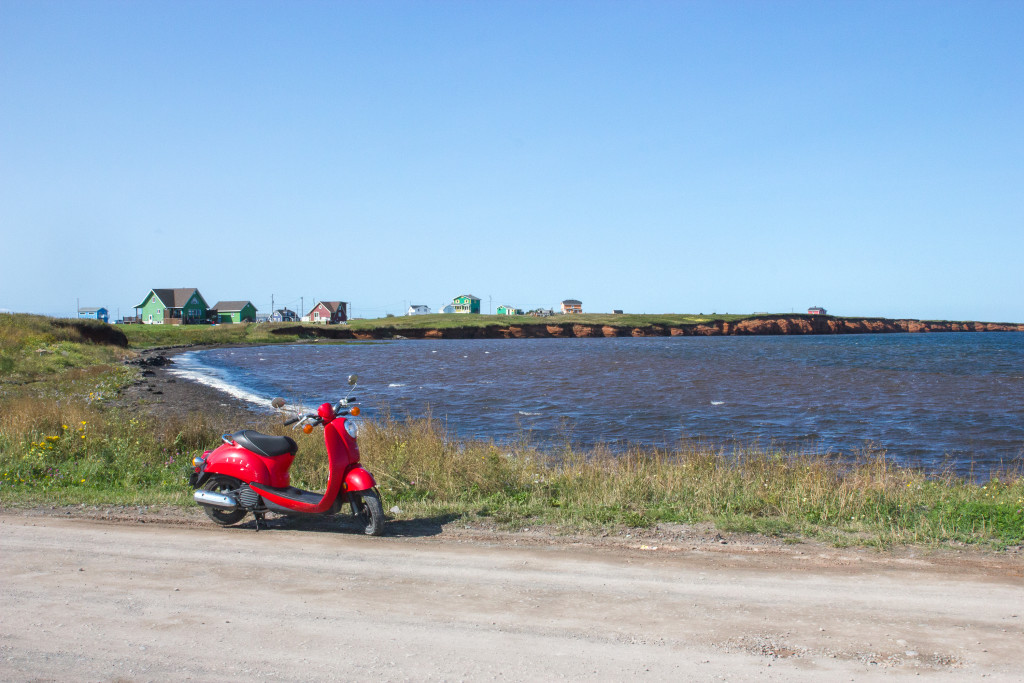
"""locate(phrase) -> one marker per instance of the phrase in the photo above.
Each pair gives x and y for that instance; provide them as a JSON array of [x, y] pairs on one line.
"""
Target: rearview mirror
[[277, 402], [352, 379]]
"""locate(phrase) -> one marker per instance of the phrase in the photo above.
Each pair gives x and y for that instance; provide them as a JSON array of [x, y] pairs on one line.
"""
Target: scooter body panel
[[234, 461]]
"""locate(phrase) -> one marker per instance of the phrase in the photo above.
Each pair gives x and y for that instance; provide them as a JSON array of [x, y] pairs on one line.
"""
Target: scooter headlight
[[352, 428]]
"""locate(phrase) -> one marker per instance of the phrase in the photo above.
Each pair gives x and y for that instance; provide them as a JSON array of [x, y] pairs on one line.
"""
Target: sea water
[[938, 401]]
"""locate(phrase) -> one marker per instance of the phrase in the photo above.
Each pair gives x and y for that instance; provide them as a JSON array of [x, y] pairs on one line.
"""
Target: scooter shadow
[[405, 528]]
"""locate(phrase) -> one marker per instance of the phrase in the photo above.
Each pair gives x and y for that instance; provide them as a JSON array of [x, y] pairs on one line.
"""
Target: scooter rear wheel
[[369, 512], [223, 484]]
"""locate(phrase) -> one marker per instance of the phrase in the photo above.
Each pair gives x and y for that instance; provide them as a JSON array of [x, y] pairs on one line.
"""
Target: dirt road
[[85, 599]]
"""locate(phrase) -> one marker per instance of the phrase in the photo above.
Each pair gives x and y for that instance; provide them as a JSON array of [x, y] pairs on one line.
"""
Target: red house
[[815, 310], [328, 312]]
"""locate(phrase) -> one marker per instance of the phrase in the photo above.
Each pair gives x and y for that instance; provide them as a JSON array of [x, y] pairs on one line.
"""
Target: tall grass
[[868, 501], [81, 453]]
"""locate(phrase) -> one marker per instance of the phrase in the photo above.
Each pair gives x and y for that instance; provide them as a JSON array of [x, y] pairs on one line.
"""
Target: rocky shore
[[754, 325]]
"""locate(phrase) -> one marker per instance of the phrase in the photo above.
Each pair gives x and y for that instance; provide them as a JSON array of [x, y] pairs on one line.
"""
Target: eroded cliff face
[[761, 325]]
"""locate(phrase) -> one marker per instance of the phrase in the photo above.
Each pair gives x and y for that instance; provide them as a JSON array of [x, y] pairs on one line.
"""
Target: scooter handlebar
[[291, 421]]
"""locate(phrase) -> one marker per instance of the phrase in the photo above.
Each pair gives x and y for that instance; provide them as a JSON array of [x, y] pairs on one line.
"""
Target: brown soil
[[145, 594]]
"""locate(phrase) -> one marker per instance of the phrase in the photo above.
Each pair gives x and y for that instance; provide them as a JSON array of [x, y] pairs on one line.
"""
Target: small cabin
[[93, 314], [233, 312], [815, 310], [418, 309], [284, 315]]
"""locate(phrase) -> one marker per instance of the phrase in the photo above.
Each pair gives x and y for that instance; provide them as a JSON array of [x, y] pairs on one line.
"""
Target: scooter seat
[[264, 444]]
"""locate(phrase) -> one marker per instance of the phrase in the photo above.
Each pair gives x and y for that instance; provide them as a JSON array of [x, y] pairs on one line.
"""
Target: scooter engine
[[247, 498]]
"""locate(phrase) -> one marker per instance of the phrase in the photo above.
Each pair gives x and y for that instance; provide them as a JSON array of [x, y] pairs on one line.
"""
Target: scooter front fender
[[358, 479]]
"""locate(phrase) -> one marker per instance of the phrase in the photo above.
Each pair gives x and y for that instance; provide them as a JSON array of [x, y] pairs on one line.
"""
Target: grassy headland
[[442, 321], [64, 441]]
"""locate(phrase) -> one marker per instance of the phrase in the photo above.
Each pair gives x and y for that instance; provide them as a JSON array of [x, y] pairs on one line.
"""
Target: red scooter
[[249, 472]]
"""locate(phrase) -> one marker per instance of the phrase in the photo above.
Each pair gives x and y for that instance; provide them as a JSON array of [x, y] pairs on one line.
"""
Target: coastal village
[[187, 306]]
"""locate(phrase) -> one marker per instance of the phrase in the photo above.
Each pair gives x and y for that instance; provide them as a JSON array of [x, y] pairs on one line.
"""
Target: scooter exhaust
[[217, 500]]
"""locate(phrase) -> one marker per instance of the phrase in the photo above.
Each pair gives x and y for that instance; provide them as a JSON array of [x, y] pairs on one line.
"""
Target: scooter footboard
[[358, 479]]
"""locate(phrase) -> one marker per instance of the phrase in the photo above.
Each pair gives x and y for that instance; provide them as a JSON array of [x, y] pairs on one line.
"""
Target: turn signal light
[[353, 411], [306, 429]]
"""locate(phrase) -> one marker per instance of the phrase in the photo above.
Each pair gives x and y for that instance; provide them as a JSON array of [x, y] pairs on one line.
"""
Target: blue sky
[[645, 156]]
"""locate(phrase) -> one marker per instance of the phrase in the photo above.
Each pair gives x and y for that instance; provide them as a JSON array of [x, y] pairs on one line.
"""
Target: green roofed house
[[467, 303], [233, 312], [183, 306]]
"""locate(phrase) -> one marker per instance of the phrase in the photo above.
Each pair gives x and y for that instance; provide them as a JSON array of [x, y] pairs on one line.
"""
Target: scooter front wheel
[[369, 511], [220, 483]]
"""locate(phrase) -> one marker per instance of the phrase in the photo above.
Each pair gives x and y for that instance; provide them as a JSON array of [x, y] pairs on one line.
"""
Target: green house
[[467, 303], [509, 310], [233, 312], [183, 306]]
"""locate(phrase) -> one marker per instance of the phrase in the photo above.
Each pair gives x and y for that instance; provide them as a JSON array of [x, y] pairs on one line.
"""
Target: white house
[[418, 309], [448, 308]]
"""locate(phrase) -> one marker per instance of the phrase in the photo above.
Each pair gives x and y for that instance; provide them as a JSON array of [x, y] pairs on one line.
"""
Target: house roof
[[284, 311], [468, 296], [91, 310], [231, 305], [573, 302], [173, 298]]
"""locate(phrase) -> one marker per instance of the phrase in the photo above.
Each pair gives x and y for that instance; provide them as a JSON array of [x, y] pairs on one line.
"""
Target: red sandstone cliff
[[760, 325]]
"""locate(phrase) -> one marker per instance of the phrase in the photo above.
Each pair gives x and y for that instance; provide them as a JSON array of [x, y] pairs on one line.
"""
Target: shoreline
[[161, 394]]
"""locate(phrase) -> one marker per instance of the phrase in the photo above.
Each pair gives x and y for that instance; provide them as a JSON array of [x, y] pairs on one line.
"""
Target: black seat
[[264, 444]]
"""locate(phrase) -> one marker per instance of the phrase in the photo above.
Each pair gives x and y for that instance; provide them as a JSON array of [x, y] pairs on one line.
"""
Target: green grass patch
[[441, 321]]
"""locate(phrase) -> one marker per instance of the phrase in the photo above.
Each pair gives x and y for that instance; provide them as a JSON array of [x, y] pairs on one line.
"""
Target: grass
[[442, 321], [151, 336], [62, 441]]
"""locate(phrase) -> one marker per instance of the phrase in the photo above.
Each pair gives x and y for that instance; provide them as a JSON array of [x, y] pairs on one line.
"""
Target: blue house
[[93, 313], [284, 315]]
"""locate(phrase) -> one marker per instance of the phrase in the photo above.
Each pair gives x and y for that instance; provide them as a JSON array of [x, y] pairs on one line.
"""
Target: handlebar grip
[[291, 421]]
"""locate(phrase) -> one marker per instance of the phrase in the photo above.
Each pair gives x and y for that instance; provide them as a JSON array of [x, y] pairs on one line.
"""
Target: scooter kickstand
[[259, 518]]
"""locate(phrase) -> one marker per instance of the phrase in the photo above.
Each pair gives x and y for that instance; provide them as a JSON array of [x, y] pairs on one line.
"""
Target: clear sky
[[646, 156]]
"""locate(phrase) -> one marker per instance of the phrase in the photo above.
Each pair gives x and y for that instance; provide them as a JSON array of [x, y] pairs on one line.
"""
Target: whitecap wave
[[717, 403], [527, 413], [188, 367], [395, 385]]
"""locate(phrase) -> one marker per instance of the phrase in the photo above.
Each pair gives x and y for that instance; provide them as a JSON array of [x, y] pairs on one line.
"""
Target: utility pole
[[271, 304], [302, 306]]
